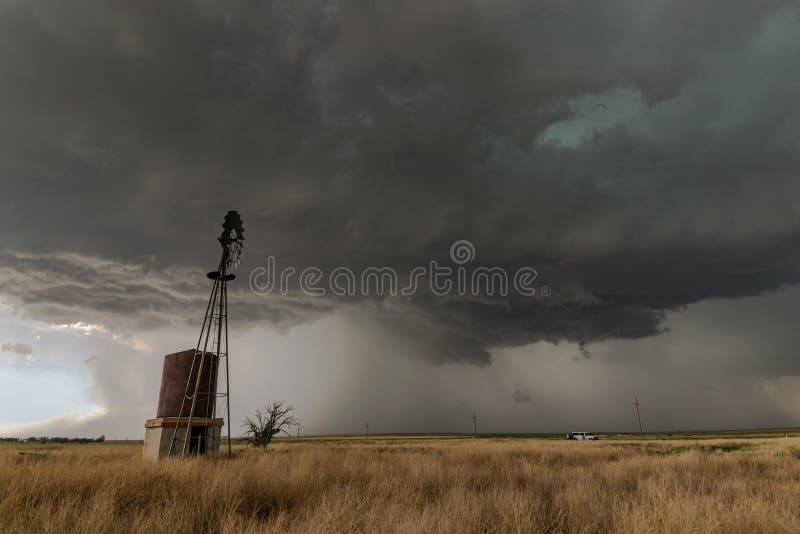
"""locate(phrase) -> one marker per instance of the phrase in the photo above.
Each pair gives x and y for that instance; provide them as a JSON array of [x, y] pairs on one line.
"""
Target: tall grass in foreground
[[408, 485]]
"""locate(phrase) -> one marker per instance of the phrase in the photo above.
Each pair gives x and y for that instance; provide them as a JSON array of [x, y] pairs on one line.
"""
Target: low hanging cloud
[[519, 396], [22, 349], [20, 352], [354, 134]]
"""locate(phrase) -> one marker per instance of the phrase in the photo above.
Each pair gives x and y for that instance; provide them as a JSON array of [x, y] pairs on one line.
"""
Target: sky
[[641, 159]]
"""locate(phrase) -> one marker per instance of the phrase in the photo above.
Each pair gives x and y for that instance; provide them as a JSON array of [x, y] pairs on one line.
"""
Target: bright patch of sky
[[49, 382], [595, 114], [31, 394]]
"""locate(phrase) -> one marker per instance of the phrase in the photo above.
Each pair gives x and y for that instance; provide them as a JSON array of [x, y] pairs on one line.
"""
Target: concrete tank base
[[158, 437]]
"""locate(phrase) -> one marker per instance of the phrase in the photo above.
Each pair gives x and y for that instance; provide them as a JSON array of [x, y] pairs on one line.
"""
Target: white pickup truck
[[582, 436]]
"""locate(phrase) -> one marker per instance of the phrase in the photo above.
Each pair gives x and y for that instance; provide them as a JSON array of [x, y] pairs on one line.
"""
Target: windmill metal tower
[[195, 431]]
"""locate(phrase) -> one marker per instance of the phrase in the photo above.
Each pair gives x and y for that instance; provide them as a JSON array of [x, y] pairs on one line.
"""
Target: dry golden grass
[[411, 485]]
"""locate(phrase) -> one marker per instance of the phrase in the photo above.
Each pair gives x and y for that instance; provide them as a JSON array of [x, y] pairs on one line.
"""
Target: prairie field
[[411, 484]]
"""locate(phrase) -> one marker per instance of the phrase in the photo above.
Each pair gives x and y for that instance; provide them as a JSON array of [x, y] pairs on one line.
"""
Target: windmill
[[214, 332], [189, 394]]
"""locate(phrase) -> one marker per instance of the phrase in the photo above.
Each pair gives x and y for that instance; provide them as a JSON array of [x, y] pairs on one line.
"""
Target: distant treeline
[[55, 439]]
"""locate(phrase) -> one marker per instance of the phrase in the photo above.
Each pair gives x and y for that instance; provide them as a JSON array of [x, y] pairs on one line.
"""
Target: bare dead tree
[[276, 418]]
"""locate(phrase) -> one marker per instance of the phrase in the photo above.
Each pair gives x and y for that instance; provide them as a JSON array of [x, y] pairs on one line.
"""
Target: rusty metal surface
[[177, 368]]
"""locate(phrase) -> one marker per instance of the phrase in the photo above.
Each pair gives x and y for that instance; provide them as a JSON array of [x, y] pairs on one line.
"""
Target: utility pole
[[366, 429], [638, 417], [475, 423], [298, 431]]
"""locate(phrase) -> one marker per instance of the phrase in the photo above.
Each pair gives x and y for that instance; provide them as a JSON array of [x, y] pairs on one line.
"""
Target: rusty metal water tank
[[177, 368]]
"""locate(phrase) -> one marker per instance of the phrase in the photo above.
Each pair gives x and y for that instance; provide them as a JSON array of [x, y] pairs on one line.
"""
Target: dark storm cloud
[[376, 133]]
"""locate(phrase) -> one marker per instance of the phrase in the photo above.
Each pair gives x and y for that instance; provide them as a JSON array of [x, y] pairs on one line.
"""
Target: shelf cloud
[[642, 157]]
